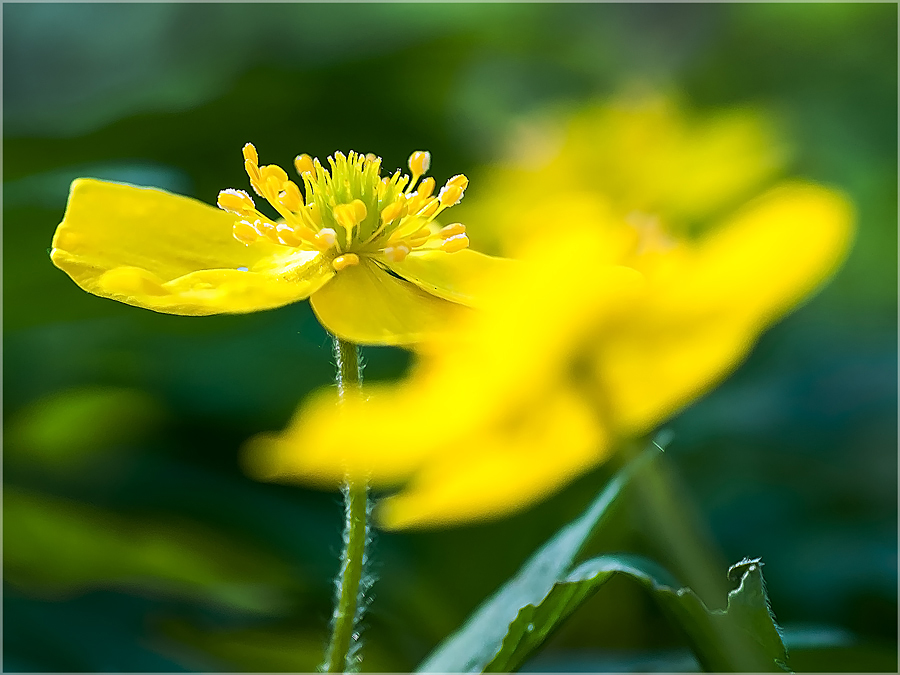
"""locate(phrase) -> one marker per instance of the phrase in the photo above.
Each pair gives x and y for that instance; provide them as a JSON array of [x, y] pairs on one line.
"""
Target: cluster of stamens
[[349, 210]]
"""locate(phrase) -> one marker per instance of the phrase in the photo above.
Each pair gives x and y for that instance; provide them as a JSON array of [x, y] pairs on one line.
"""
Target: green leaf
[[475, 645], [742, 637]]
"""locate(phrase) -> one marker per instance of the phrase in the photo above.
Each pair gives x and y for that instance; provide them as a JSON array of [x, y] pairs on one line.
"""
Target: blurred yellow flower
[[364, 248], [611, 325]]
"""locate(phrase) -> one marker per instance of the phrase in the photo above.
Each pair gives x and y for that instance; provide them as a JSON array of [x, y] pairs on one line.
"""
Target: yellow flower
[[573, 353], [364, 248]]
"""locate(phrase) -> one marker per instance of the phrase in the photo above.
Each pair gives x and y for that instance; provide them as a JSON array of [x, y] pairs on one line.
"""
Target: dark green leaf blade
[[742, 637], [473, 646]]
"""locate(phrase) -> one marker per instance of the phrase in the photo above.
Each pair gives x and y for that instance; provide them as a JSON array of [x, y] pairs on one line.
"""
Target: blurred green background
[[132, 540]]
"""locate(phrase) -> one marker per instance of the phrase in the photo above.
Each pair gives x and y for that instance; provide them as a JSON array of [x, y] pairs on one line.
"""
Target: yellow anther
[[291, 198], [455, 243], [450, 195], [350, 215], [430, 208], [459, 181], [419, 163], [287, 235], [250, 154], [452, 230], [244, 232], [345, 260], [273, 171], [426, 187], [237, 202], [251, 169], [315, 214], [372, 157], [396, 253], [273, 186], [270, 230], [304, 164], [325, 238], [395, 210]]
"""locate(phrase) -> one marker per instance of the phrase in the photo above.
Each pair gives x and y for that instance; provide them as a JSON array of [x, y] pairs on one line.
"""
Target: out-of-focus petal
[[458, 277], [505, 468], [367, 305], [172, 254], [704, 309]]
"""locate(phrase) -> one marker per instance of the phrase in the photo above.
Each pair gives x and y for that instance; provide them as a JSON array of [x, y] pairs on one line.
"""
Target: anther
[[350, 215], [450, 195], [394, 210], [250, 154], [304, 164], [325, 238], [244, 232], [291, 198], [287, 235], [237, 202], [426, 187], [419, 163], [455, 243], [396, 253], [430, 208], [273, 171], [459, 181], [452, 230], [252, 169], [343, 261]]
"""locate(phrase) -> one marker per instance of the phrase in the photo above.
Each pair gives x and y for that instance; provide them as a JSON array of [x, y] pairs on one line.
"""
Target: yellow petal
[[172, 254], [503, 469], [704, 310], [327, 440], [458, 277], [367, 305]]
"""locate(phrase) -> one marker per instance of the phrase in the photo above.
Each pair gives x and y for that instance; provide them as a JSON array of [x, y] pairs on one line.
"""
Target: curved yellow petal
[[703, 311], [365, 304], [458, 277], [327, 440], [502, 469], [152, 249]]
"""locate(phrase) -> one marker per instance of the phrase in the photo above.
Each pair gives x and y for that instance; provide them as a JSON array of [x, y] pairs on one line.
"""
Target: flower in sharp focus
[[364, 248], [596, 338]]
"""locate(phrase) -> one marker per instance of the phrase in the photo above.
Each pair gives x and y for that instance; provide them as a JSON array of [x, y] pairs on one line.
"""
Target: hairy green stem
[[341, 655]]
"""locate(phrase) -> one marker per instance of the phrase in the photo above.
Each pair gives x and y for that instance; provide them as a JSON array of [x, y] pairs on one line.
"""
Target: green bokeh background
[[133, 541]]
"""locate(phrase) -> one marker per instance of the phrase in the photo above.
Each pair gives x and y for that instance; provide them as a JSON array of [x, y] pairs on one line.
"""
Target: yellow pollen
[[304, 164], [237, 202], [324, 239], [345, 260], [455, 243], [250, 154], [244, 232], [396, 253]]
